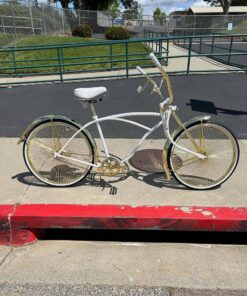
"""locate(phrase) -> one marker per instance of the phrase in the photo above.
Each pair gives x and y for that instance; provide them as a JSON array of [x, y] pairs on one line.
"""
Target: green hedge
[[83, 30], [117, 33]]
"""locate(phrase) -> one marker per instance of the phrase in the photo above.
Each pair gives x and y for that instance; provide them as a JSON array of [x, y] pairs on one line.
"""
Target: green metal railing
[[161, 47], [225, 48], [111, 57]]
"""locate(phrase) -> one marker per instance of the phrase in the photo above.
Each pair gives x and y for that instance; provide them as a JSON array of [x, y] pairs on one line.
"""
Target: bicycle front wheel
[[49, 137], [219, 146]]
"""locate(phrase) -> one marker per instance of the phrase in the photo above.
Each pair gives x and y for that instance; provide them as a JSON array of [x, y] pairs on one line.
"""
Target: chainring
[[110, 167]]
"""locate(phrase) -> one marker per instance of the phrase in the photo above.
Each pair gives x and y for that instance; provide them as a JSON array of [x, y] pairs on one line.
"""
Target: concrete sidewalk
[[123, 268], [138, 200], [138, 188]]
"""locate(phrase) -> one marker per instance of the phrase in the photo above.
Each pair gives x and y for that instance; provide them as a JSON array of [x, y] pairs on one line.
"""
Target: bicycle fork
[[166, 119]]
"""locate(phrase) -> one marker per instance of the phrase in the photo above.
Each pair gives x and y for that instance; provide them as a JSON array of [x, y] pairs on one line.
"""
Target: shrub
[[117, 33], [83, 30]]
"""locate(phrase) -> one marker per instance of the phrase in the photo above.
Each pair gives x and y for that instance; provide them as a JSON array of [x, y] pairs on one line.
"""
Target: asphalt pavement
[[223, 96]]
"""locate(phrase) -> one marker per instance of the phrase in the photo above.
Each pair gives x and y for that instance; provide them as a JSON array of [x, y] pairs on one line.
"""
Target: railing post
[[167, 51], [127, 59], [14, 62], [152, 40], [230, 50], [189, 56], [200, 49], [212, 49], [59, 64], [111, 56], [62, 59]]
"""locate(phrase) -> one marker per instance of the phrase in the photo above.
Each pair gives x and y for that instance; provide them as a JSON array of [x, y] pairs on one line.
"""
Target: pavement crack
[[6, 256], [119, 269], [26, 189], [10, 221]]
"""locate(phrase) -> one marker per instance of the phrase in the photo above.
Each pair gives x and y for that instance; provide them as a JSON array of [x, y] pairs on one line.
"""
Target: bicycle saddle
[[91, 94]]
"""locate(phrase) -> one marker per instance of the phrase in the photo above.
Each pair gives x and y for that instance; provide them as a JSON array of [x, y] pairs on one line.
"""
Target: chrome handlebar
[[165, 77]]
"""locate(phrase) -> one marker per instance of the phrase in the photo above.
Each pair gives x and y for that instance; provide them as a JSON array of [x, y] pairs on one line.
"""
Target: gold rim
[[220, 149], [50, 137]]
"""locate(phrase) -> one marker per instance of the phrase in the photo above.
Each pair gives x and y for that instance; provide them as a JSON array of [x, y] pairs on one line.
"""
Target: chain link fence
[[26, 18], [208, 24]]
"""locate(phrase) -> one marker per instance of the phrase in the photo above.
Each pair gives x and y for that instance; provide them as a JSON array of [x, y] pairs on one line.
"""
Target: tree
[[159, 16], [92, 4], [132, 12], [114, 9], [225, 4]]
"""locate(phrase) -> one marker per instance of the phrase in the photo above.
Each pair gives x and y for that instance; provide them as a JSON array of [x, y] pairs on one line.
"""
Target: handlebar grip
[[154, 59], [139, 69]]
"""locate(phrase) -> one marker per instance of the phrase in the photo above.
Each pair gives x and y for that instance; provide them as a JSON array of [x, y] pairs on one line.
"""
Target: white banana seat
[[91, 94]]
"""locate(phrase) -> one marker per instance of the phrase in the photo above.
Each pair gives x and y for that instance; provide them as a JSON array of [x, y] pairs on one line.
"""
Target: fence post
[[59, 64], [189, 56], [53, 16], [43, 18], [127, 59], [63, 23], [13, 16], [3, 25], [45, 27], [194, 25], [230, 49], [31, 16]]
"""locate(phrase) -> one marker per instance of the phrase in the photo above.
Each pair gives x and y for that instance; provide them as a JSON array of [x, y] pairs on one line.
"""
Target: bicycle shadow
[[147, 166]]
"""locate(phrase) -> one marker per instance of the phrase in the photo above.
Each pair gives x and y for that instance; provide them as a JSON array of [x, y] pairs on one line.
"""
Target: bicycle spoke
[[47, 138], [221, 150]]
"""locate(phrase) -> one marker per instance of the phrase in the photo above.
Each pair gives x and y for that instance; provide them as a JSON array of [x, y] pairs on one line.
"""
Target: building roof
[[213, 9]]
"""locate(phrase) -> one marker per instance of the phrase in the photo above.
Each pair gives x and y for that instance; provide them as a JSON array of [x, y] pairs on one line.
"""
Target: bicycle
[[199, 154]]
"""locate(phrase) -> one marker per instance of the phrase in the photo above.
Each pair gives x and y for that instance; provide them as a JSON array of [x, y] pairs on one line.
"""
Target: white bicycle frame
[[165, 114], [165, 118]]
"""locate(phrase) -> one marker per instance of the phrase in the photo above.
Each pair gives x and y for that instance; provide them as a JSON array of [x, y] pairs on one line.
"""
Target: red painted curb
[[28, 220], [5, 212]]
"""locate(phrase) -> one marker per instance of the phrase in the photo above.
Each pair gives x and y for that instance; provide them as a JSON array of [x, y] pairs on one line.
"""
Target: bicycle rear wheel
[[219, 146], [49, 137]]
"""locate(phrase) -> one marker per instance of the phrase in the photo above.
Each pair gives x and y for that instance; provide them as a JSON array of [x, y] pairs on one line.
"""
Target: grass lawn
[[74, 59]]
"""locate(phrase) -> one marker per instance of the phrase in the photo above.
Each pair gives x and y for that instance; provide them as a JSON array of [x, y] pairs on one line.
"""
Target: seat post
[[93, 111]]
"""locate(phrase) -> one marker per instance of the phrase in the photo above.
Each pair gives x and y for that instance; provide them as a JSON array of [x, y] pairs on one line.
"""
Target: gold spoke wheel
[[218, 145], [49, 137]]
